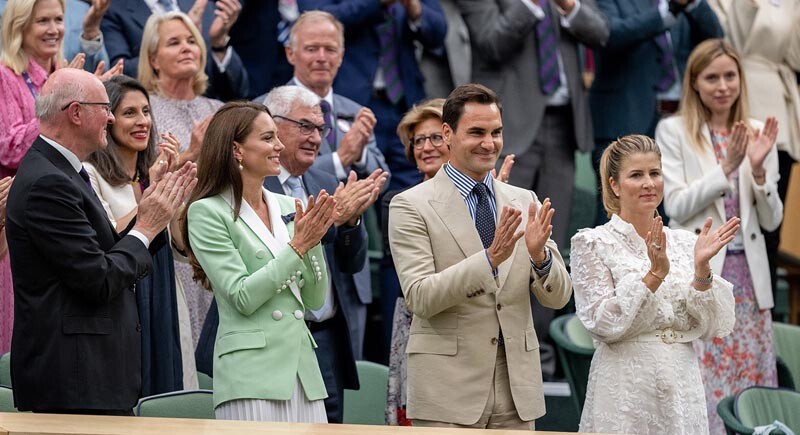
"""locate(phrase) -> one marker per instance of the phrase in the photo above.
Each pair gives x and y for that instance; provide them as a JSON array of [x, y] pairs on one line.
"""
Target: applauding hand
[[505, 236], [538, 229], [708, 244], [310, 225]]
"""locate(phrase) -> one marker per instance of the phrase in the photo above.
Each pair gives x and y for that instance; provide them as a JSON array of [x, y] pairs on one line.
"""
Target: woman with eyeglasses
[[172, 66], [420, 130]]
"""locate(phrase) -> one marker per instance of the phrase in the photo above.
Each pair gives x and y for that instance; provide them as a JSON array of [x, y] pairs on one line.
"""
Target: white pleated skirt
[[298, 409]]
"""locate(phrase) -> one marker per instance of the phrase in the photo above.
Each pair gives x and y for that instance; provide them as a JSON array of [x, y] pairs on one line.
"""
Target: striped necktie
[[289, 12], [388, 60], [327, 115], [666, 61], [547, 44]]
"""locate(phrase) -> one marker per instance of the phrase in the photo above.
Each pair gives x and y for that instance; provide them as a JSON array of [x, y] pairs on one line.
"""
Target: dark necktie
[[666, 61], [85, 176], [327, 115], [484, 218], [388, 60], [484, 222], [547, 44]]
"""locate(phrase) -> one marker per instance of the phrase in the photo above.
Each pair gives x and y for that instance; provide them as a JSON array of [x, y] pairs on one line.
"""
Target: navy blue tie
[[85, 176], [484, 218], [484, 222]]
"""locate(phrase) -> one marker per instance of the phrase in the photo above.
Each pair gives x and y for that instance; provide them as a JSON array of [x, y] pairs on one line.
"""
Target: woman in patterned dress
[[645, 293], [720, 163]]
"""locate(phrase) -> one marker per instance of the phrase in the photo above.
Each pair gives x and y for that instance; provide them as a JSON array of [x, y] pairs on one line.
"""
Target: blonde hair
[[612, 160], [418, 114], [16, 15], [310, 17], [148, 77], [692, 110]]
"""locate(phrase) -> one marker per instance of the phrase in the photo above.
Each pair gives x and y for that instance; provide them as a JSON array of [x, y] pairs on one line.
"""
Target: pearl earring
[[240, 164]]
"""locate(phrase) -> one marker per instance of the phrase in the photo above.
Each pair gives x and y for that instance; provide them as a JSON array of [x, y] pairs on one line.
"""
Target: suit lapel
[[59, 161], [452, 210], [502, 199], [275, 241]]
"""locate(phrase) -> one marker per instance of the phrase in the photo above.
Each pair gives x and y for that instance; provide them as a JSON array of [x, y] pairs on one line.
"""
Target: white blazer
[[695, 187]]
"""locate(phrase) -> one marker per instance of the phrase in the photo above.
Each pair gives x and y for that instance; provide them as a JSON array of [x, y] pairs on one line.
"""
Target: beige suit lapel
[[502, 198], [448, 204]]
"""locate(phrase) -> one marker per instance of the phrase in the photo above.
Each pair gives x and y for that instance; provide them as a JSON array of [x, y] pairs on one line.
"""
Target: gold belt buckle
[[668, 335]]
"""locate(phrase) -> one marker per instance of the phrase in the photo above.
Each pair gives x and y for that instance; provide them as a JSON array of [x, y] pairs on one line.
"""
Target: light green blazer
[[262, 289]]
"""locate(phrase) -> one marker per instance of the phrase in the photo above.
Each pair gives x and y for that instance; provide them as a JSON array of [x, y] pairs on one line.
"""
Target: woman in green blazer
[[260, 254]]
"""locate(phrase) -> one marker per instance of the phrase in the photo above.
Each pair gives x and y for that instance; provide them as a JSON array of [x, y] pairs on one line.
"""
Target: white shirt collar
[[73, 160], [328, 97]]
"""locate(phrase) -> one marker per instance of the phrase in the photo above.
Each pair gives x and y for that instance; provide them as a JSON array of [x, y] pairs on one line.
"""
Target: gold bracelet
[[654, 274], [296, 251]]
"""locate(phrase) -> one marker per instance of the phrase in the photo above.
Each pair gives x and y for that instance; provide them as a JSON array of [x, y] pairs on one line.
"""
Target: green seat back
[[787, 347], [759, 406], [5, 369], [577, 333], [204, 381], [178, 404], [7, 400], [575, 359], [367, 405]]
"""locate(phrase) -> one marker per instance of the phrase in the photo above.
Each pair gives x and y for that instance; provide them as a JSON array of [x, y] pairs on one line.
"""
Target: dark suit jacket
[[76, 340], [505, 59], [346, 255], [123, 26], [623, 96], [361, 19], [255, 38]]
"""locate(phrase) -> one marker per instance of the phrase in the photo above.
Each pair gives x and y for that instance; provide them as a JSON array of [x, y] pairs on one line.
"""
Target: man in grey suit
[[338, 327], [316, 50], [527, 51]]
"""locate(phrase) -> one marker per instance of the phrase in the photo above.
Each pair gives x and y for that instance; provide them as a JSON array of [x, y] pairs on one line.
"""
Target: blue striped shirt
[[465, 184]]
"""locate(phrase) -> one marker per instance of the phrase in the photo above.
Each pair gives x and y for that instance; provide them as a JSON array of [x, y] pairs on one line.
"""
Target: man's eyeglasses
[[436, 140], [107, 106], [307, 127]]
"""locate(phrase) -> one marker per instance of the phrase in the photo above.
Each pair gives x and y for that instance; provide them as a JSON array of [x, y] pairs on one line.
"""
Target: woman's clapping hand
[[312, 224]]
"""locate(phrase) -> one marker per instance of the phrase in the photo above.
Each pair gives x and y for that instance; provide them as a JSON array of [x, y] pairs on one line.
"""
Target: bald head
[[62, 87], [71, 110]]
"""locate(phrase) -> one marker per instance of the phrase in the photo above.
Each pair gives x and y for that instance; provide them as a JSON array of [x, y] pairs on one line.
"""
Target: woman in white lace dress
[[645, 292]]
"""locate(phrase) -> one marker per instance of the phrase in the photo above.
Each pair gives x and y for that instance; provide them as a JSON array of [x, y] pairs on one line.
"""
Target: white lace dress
[[635, 386]]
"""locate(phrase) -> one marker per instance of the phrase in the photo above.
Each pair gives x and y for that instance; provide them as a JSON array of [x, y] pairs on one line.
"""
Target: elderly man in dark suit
[[76, 344]]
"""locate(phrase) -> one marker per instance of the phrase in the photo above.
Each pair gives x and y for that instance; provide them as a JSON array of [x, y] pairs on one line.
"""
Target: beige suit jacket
[[458, 306]]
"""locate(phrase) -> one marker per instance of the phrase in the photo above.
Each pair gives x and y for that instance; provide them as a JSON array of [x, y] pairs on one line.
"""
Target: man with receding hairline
[[76, 344]]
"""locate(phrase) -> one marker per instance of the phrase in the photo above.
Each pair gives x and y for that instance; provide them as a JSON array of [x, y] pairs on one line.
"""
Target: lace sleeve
[[610, 311], [713, 309]]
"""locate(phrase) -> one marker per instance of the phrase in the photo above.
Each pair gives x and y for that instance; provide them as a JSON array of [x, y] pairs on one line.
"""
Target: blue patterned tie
[[327, 115], [484, 218], [168, 5], [547, 44], [288, 11], [295, 187], [388, 60], [484, 222]]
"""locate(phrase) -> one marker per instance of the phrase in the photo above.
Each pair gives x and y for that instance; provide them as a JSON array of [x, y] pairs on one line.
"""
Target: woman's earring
[[240, 164]]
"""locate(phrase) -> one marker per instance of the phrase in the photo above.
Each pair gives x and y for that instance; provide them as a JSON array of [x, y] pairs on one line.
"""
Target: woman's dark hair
[[217, 168], [106, 161]]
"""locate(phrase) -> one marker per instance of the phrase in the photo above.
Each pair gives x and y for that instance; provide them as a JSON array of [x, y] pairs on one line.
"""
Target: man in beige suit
[[473, 355]]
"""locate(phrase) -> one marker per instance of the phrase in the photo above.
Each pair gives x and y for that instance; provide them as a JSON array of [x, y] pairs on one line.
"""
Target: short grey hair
[[311, 17], [50, 104], [282, 99]]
